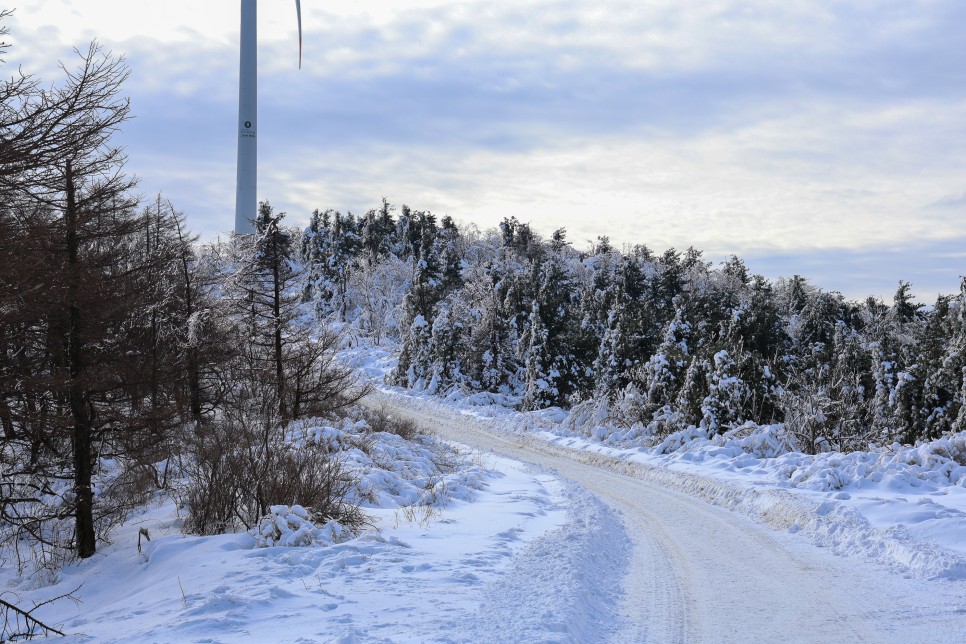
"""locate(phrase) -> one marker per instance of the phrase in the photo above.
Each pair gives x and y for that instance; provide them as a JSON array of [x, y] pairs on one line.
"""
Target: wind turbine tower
[[246, 201], [247, 178]]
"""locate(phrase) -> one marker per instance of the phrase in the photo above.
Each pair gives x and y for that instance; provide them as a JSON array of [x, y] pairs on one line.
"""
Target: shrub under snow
[[285, 525], [291, 525]]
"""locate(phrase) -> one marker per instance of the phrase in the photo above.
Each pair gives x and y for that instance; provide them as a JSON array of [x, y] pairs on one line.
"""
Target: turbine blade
[[298, 13]]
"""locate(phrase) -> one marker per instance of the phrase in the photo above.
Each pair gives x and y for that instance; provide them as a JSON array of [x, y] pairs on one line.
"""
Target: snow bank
[[395, 472], [902, 506]]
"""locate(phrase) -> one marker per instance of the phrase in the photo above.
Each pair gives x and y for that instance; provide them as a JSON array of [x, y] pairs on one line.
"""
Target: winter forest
[[134, 358], [661, 341]]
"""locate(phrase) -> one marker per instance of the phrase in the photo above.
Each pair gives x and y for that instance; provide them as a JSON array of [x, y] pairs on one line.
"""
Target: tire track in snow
[[662, 594]]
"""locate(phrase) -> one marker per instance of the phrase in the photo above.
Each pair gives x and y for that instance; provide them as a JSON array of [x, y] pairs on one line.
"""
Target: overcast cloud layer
[[819, 138]]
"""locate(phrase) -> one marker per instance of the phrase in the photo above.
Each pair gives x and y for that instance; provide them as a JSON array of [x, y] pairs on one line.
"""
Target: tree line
[[665, 340]]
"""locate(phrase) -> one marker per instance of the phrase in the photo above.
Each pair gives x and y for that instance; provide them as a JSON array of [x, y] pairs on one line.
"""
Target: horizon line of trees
[[666, 341]]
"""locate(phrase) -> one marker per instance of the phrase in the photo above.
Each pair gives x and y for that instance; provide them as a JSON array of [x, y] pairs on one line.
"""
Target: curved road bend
[[700, 573]]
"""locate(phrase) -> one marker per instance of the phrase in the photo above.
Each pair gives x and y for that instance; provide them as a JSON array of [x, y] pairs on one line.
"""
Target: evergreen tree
[[285, 368], [662, 376], [540, 386], [691, 395], [446, 350]]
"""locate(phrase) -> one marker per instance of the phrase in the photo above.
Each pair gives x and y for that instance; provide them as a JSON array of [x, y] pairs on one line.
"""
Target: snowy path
[[702, 573]]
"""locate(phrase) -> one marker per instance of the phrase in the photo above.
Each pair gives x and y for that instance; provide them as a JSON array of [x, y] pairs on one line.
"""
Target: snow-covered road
[[700, 573]]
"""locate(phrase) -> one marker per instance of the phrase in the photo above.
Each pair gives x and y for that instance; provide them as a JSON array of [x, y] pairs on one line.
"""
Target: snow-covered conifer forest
[[394, 427], [655, 340]]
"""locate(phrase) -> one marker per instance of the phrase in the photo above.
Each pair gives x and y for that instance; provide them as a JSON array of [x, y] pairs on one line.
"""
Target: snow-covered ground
[[500, 551]]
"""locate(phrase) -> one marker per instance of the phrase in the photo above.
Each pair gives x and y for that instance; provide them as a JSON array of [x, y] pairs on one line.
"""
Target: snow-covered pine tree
[[419, 306], [956, 356], [754, 339], [660, 378], [852, 386], [450, 248], [447, 346], [540, 387], [728, 396], [690, 397], [376, 230], [490, 362], [894, 334], [634, 322], [329, 249], [942, 359]]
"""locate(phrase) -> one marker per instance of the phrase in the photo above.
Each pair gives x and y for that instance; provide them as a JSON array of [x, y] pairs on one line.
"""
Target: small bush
[[239, 471], [380, 420], [284, 526]]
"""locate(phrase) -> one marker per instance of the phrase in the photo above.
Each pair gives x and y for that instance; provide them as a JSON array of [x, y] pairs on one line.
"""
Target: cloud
[[765, 129], [950, 202], [932, 267]]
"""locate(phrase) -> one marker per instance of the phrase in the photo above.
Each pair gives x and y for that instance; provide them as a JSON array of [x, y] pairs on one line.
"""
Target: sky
[[821, 138]]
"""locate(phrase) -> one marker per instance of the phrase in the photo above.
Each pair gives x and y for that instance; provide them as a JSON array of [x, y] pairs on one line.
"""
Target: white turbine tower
[[247, 179]]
